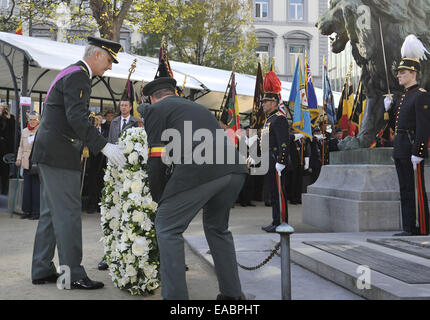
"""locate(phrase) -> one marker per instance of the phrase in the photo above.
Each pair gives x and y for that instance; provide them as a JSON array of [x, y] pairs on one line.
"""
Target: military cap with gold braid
[[112, 47], [413, 51]]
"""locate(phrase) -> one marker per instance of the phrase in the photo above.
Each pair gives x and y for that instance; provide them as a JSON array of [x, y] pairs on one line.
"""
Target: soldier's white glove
[[415, 161], [298, 136], [306, 163], [387, 103], [280, 168], [114, 154], [250, 161], [251, 140]]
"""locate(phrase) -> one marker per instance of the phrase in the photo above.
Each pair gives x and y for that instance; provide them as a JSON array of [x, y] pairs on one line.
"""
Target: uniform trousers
[[31, 193], [59, 223], [175, 213], [405, 174]]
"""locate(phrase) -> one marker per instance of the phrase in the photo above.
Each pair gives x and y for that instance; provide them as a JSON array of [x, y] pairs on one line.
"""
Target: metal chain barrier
[[272, 254]]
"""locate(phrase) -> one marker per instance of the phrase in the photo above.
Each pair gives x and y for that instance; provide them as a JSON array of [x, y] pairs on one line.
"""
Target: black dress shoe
[[34, 217], [49, 279], [267, 227], [271, 229], [26, 216], [250, 204], [103, 265], [267, 204], [223, 297], [403, 234], [87, 284]]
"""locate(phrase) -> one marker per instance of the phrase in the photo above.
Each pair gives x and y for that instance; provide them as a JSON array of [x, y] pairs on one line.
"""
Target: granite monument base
[[357, 192]]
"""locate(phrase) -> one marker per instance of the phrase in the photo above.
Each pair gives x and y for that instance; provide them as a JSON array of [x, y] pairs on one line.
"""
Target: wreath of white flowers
[[127, 219]]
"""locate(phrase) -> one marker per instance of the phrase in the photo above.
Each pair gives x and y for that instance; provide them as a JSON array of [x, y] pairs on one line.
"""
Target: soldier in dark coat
[[410, 120], [63, 131], [277, 128], [316, 158], [189, 185]]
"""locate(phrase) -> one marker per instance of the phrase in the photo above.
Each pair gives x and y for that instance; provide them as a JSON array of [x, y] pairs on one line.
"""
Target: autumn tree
[[215, 34]]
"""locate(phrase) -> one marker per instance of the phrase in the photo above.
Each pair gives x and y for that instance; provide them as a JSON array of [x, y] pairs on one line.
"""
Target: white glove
[[280, 168], [250, 161], [415, 161], [306, 163], [251, 140], [114, 154], [298, 136], [387, 103]]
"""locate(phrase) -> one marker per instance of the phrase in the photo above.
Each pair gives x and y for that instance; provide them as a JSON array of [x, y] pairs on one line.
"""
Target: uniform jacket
[[171, 113], [115, 128], [24, 149], [316, 154], [410, 120], [65, 127], [277, 127]]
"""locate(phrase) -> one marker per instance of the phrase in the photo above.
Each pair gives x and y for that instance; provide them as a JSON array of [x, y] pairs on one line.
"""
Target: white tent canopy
[[46, 58]]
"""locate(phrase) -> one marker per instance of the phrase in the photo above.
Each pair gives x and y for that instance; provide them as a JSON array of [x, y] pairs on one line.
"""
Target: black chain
[[272, 254]]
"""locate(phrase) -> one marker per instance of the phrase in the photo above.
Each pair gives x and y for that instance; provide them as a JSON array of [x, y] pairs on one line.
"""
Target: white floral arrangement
[[127, 219]]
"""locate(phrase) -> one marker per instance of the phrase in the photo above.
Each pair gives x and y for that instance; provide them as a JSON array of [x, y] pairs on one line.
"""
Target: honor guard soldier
[[276, 127], [64, 129], [410, 120], [189, 186]]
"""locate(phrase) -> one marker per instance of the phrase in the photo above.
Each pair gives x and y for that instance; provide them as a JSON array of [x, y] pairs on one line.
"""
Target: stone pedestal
[[358, 192]]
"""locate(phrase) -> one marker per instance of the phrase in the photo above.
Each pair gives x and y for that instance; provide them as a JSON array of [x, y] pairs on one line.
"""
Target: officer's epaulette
[[85, 70], [422, 90]]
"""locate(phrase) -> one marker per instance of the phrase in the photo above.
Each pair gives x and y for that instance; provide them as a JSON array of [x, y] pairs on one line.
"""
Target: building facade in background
[[338, 66], [286, 29]]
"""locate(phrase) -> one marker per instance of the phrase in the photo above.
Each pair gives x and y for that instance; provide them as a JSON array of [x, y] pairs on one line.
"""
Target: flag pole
[[227, 89]]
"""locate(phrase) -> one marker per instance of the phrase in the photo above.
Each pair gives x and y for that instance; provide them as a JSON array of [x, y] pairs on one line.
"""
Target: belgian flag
[[344, 110], [358, 111], [19, 29]]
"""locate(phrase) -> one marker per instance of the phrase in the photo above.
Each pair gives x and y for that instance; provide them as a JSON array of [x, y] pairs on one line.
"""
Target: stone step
[[349, 275]]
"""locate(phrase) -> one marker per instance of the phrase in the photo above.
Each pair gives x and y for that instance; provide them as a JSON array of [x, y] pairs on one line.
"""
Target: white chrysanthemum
[[126, 192]]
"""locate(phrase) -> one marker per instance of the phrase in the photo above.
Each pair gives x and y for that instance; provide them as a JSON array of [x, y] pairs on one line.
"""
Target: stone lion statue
[[348, 21]]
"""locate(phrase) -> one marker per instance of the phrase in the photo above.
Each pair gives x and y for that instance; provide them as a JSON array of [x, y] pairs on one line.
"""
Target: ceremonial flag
[[358, 112], [328, 99], [311, 96], [230, 113], [346, 103], [19, 29], [302, 118], [164, 69], [258, 118]]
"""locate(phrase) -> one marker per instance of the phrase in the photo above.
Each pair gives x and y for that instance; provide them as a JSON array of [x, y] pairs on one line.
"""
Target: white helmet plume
[[414, 48]]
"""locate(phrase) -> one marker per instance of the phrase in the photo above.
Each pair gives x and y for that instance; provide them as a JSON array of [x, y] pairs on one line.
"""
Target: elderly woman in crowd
[[31, 194]]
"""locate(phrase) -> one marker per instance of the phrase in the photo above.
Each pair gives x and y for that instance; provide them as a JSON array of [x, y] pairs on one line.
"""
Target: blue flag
[[302, 118], [312, 97], [328, 99]]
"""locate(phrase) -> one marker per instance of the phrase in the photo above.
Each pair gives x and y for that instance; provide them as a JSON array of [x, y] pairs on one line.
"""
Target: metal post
[[285, 231]]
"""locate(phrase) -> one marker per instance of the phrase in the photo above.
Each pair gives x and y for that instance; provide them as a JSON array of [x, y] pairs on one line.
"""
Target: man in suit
[[192, 186], [124, 121], [410, 120], [64, 129]]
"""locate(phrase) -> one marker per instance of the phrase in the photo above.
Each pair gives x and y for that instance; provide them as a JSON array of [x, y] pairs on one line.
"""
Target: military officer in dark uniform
[[410, 120], [316, 157], [276, 127], [64, 129], [191, 186]]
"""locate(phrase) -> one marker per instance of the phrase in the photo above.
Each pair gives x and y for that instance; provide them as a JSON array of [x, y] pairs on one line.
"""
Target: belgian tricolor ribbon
[[156, 152]]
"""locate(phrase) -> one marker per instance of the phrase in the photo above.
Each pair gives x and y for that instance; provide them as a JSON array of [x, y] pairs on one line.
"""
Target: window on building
[[295, 9], [261, 8], [295, 52], [263, 53]]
